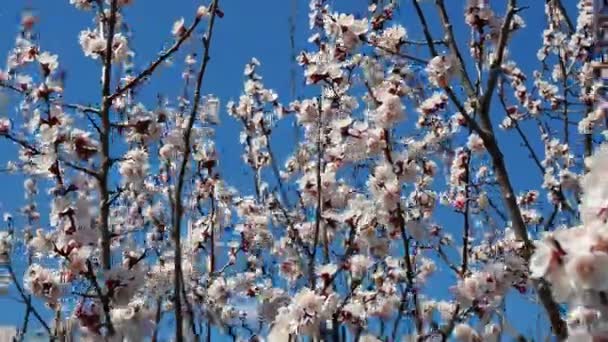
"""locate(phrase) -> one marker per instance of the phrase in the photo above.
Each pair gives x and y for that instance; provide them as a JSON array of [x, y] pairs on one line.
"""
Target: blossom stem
[[451, 41], [178, 209], [409, 266], [105, 300], [27, 300], [562, 9], [311, 263], [157, 318], [156, 63]]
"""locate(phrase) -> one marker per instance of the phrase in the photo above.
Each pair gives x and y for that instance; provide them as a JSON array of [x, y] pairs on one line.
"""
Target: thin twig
[[311, 263], [451, 41], [155, 64], [562, 9], [27, 300], [105, 301]]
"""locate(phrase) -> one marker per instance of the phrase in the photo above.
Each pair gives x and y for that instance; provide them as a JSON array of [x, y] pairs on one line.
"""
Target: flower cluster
[[573, 260], [134, 216]]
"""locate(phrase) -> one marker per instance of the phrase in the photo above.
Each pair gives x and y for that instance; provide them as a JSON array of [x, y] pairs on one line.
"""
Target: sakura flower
[[42, 163], [179, 29], [359, 264], [5, 126], [83, 145], [40, 242], [303, 315], [446, 309], [469, 289], [134, 167], [392, 38], [594, 204], [78, 258], [6, 244], [465, 333], [29, 186], [308, 111], [218, 291], [478, 13], [326, 271], [290, 270], [583, 318], [347, 28], [475, 143], [491, 332], [120, 48], [202, 12], [28, 20], [433, 104], [24, 82], [390, 111], [42, 283], [440, 70], [385, 186], [82, 4], [546, 256], [348, 22], [92, 43], [354, 313], [124, 283], [588, 271], [369, 338], [48, 62]]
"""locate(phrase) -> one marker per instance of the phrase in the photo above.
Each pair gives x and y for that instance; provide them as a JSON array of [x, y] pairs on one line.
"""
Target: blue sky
[[249, 28]]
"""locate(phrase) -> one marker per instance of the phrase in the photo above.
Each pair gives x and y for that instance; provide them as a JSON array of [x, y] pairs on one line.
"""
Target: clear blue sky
[[249, 28]]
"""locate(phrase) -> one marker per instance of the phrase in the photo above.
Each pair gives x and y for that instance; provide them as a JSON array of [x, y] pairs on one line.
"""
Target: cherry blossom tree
[[398, 181]]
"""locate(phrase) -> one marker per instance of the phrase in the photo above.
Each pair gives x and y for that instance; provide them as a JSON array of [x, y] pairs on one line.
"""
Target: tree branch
[[155, 64], [451, 41], [177, 198], [106, 257], [502, 176], [27, 300]]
